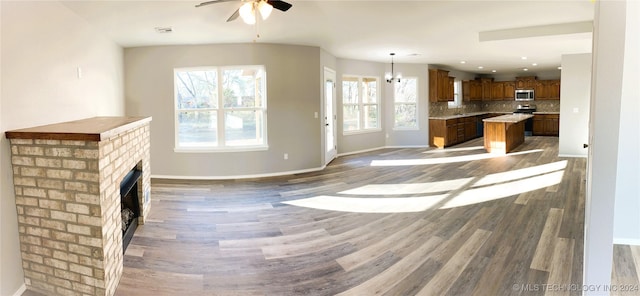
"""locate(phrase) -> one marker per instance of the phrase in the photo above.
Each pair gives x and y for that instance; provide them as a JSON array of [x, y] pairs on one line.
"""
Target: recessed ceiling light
[[480, 67], [525, 69], [463, 62], [163, 29], [534, 64], [524, 58], [494, 71]]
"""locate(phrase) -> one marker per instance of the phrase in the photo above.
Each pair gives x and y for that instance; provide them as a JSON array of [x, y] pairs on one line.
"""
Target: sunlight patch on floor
[[411, 188], [369, 205], [498, 191], [476, 190], [442, 160], [454, 149]]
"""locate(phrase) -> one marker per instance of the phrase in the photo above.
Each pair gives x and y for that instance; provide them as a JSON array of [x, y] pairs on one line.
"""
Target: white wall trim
[[276, 174], [360, 151], [20, 290], [572, 155], [409, 146], [626, 241]]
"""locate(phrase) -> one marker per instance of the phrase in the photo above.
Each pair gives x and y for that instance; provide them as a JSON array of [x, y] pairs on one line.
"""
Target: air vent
[[164, 29]]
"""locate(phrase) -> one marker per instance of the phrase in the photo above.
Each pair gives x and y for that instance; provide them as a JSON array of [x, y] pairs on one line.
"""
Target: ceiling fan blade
[[280, 5], [214, 2], [234, 16]]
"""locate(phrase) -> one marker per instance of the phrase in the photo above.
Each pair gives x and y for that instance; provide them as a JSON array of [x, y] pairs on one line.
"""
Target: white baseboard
[[360, 151], [21, 290], [573, 155], [174, 177], [276, 174], [626, 241]]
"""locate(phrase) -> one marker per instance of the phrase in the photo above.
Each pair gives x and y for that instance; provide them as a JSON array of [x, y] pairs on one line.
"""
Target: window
[[220, 109], [405, 97], [457, 95], [360, 103]]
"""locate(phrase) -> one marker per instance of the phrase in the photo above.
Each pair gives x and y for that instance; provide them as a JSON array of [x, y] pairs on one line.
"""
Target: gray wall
[[293, 96], [43, 43], [575, 92]]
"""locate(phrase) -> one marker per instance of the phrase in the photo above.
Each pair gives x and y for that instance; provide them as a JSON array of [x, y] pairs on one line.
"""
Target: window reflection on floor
[[388, 198]]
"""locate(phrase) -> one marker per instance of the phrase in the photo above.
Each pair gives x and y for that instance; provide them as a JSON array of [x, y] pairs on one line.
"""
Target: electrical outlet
[[286, 156]]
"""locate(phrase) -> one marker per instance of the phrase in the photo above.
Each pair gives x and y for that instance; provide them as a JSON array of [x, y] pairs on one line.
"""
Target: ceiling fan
[[248, 10]]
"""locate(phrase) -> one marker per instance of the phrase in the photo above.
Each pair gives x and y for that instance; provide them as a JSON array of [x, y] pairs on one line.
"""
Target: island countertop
[[510, 118], [90, 129]]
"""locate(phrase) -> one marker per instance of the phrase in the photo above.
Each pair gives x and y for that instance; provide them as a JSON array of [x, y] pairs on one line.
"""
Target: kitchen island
[[504, 133]]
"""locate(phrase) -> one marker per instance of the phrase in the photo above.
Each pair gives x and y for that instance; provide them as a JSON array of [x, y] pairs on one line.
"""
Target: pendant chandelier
[[390, 76]]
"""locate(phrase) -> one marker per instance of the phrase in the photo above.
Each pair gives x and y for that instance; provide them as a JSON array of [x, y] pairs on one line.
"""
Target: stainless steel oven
[[528, 125], [525, 95]]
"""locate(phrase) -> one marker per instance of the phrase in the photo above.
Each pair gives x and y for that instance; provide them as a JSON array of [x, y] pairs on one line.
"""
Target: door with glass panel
[[330, 118]]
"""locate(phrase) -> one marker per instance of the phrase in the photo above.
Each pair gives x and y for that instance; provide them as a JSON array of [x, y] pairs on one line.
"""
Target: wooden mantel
[[90, 129]]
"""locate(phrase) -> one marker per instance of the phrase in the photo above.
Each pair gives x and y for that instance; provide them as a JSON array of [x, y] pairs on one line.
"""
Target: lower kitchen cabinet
[[546, 125], [448, 132]]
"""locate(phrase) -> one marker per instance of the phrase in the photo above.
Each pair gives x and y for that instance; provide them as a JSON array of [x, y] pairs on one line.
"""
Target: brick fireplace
[[67, 179]]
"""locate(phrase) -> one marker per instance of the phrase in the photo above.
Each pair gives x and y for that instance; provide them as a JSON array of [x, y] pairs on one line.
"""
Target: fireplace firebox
[[129, 206]]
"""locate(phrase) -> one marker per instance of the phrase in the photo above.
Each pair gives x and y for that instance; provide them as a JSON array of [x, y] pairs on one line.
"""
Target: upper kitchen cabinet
[[440, 87], [553, 89], [509, 90], [528, 82], [547, 89], [541, 90], [471, 90], [486, 88], [497, 90]]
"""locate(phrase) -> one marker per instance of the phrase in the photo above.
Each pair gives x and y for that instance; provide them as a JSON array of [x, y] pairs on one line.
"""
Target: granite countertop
[[445, 117], [511, 118], [552, 113], [90, 129]]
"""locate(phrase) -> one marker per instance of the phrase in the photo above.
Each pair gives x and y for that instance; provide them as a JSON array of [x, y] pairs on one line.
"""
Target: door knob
[[585, 145]]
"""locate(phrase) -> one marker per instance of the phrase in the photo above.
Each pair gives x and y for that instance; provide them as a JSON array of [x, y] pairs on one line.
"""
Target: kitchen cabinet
[[527, 82], [546, 125], [448, 132], [541, 92], [497, 90], [553, 89], [471, 90], [470, 128], [509, 90], [440, 89], [486, 88]]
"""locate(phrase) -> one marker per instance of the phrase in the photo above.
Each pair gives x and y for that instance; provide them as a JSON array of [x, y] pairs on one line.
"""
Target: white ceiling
[[430, 32]]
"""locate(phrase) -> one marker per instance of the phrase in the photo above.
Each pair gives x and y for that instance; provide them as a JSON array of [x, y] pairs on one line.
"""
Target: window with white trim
[[360, 104], [457, 95], [405, 97], [220, 109]]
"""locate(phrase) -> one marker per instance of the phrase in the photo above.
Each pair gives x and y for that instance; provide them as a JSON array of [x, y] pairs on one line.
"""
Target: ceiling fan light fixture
[[265, 9], [247, 13]]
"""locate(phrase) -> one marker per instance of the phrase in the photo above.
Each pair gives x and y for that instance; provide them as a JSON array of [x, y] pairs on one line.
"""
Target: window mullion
[[220, 110]]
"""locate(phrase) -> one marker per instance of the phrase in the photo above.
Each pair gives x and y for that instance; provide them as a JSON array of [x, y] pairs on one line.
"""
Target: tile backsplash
[[442, 108]]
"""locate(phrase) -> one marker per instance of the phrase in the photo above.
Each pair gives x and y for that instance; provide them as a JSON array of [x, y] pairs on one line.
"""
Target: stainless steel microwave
[[525, 95]]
